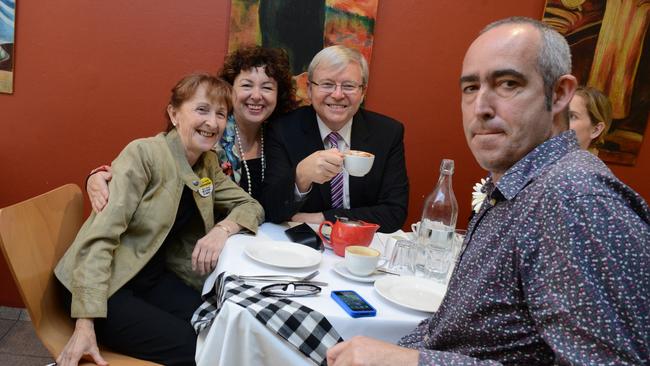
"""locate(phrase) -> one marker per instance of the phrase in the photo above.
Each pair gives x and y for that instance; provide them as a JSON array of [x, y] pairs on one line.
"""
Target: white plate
[[412, 292], [283, 254], [343, 271]]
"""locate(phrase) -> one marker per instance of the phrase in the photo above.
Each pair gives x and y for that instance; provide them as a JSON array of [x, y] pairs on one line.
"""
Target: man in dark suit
[[305, 181]]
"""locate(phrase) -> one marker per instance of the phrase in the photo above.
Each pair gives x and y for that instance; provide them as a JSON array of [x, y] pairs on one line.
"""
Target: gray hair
[[554, 58], [338, 57]]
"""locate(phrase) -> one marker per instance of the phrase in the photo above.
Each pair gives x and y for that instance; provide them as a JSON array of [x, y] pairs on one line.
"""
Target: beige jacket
[[148, 180]]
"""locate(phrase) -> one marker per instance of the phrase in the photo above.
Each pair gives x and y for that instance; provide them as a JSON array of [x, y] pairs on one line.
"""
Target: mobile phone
[[353, 303], [304, 234]]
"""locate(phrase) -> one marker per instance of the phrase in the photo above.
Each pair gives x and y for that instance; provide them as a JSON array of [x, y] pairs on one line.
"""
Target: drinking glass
[[402, 260]]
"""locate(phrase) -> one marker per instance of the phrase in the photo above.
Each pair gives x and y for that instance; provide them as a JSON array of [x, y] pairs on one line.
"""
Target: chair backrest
[[34, 234]]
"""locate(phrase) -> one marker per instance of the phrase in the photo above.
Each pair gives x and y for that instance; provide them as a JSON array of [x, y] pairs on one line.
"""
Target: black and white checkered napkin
[[304, 328]]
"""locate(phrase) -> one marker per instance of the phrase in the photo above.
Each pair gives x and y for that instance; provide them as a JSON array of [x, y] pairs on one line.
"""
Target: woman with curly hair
[[262, 89]]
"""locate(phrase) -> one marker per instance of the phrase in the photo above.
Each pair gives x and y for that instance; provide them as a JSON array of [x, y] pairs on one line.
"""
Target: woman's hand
[[208, 248], [97, 188], [82, 342]]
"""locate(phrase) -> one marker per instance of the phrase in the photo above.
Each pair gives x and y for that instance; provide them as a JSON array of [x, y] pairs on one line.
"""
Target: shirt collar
[[532, 165], [345, 131], [187, 172]]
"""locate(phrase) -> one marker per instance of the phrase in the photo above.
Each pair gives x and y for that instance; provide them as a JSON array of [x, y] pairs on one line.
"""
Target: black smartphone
[[353, 303], [304, 234]]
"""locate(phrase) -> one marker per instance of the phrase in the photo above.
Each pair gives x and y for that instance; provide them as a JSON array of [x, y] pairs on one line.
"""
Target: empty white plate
[[283, 254], [412, 292]]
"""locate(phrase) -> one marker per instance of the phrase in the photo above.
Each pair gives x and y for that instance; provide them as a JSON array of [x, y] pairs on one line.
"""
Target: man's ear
[[563, 92]]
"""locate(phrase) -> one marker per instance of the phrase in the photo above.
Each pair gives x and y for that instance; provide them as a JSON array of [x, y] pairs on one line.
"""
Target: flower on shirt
[[227, 168], [479, 195]]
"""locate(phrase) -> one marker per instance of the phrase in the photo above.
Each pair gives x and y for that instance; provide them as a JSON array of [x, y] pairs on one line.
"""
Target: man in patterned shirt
[[557, 264]]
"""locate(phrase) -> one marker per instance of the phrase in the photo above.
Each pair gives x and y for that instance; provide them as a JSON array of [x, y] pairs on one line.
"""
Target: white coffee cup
[[358, 163], [361, 261], [415, 228]]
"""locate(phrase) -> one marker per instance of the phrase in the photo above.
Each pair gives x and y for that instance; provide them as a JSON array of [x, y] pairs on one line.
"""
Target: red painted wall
[[93, 75]]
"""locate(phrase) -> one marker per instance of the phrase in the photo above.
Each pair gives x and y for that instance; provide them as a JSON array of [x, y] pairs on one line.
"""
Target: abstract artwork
[[608, 43], [302, 28], [7, 17]]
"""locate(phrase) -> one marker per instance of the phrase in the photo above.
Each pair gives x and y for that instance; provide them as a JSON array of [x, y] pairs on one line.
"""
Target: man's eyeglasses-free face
[[347, 87], [290, 289]]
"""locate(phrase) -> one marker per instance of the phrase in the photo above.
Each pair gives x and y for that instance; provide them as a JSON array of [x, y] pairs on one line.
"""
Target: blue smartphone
[[353, 303]]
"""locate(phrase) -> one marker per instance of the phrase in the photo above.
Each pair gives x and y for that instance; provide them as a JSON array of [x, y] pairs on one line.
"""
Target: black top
[[150, 273], [255, 166]]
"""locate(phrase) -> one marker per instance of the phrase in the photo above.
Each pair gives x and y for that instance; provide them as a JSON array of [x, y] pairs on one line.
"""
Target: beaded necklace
[[243, 159]]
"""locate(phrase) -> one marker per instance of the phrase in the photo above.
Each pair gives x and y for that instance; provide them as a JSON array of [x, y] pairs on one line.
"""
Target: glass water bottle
[[436, 230]]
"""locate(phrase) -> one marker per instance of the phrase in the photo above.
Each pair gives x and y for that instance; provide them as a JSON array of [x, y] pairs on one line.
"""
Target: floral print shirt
[[228, 153], [556, 270]]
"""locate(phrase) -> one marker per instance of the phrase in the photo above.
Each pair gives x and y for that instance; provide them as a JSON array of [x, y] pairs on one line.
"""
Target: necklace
[[243, 159]]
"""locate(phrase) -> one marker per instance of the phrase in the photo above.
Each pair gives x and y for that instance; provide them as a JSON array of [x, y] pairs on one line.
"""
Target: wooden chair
[[34, 234]]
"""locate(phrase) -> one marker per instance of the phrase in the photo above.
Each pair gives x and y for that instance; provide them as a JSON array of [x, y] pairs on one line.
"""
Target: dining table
[[236, 337]]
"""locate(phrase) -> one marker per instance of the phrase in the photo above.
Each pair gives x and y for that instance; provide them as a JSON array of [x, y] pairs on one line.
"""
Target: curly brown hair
[[276, 65]]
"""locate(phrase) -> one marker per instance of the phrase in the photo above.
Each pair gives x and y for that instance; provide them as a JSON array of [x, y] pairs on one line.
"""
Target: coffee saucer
[[343, 271]]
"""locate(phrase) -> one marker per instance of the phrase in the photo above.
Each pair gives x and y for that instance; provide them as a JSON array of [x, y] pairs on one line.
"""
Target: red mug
[[346, 232]]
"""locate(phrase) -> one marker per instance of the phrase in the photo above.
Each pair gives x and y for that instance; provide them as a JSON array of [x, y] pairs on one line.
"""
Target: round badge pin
[[205, 187]]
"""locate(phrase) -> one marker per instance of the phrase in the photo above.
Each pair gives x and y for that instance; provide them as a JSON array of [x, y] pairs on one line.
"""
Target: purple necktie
[[336, 183]]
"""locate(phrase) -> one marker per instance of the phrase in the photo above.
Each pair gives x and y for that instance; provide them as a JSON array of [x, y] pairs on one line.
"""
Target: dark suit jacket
[[380, 197]]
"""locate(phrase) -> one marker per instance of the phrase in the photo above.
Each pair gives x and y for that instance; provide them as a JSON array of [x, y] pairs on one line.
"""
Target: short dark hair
[[218, 90], [554, 57], [276, 65]]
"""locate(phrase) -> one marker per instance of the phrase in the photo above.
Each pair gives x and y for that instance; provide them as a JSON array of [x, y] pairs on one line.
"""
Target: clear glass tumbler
[[402, 259]]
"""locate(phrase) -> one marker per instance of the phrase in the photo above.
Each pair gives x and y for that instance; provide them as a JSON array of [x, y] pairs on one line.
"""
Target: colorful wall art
[[7, 26], [303, 28], [609, 45]]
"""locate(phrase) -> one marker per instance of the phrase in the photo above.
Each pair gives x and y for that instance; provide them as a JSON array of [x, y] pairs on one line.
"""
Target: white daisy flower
[[478, 196]]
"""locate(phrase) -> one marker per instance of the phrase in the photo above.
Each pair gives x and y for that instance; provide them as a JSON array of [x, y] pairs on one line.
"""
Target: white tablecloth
[[237, 338]]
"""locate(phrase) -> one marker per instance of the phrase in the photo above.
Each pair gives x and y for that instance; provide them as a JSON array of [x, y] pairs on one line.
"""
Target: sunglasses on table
[[290, 289]]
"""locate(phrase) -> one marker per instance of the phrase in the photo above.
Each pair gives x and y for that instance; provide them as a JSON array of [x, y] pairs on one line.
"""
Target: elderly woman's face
[[581, 123], [255, 96], [200, 122]]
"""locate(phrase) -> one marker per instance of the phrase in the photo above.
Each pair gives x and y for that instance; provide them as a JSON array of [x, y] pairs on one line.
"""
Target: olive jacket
[[148, 179]]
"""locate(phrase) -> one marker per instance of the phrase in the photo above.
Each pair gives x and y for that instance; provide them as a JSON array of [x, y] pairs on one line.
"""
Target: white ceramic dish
[[343, 271], [284, 254], [412, 292]]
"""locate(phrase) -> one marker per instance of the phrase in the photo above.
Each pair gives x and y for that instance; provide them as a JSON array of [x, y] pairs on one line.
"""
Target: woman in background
[[133, 271], [590, 117]]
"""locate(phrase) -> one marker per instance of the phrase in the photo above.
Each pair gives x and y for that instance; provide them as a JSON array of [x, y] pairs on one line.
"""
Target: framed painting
[[302, 28], [608, 40], [7, 26]]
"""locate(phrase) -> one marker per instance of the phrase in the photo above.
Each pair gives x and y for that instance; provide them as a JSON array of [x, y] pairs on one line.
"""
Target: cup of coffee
[[361, 261], [357, 163], [415, 228]]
